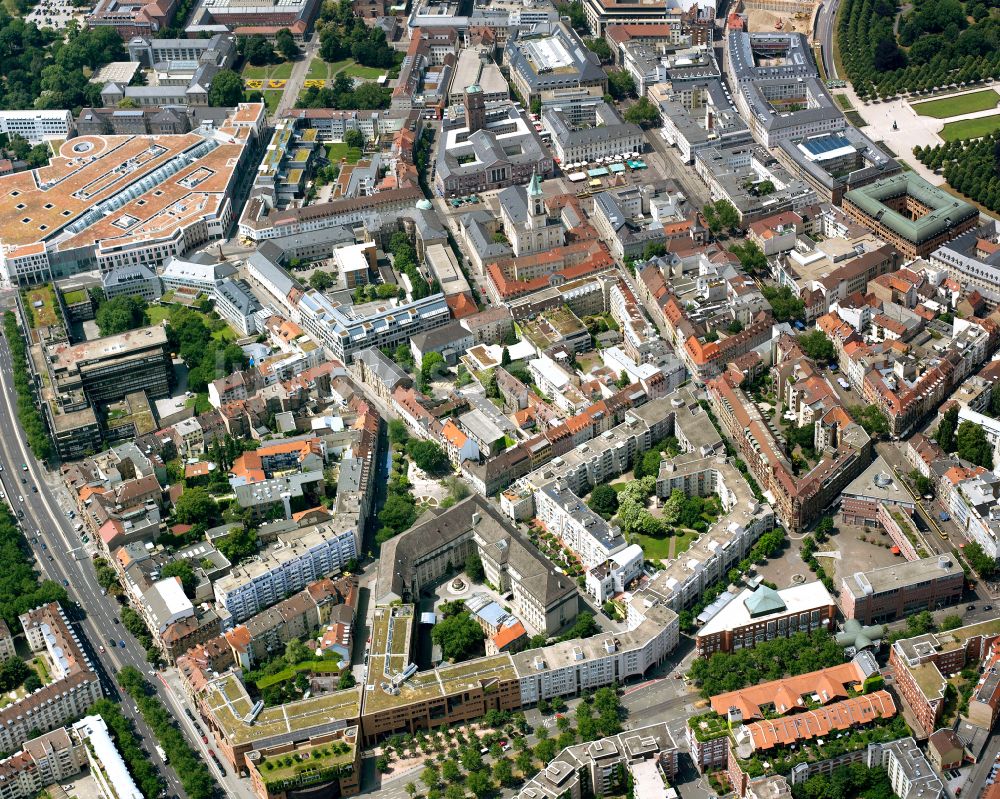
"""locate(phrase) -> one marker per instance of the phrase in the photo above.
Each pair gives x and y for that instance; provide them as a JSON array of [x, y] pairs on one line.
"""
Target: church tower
[[536, 203]]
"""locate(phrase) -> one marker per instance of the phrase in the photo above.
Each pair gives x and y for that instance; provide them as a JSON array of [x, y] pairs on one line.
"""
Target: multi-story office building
[[763, 614], [106, 369], [169, 194], [648, 754], [132, 281], [298, 557], [897, 591], [238, 305], [566, 516], [132, 17], [550, 56], [343, 334], [74, 685], [910, 214], [37, 126]]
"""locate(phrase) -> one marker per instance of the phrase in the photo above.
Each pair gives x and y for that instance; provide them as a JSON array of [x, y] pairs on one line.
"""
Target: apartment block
[[297, 558], [73, 688], [922, 664], [53, 757]]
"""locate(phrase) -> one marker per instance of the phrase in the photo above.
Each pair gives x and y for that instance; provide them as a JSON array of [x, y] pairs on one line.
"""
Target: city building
[[298, 557], [372, 367], [548, 57], [73, 686], [53, 757], [202, 273], [902, 589], [169, 194], [242, 19], [489, 150], [923, 663], [763, 614], [132, 281], [132, 17], [910, 214], [777, 86], [334, 761], [37, 126], [543, 599], [910, 774], [238, 305], [107, 766], [646, 755], [601, 135], [343, 334]]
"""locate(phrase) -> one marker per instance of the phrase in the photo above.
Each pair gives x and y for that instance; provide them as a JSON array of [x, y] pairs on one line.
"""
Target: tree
[[888, 56], [240, 544], [583, 627], [458, 636], [984, 565], [397, 514], [574, 10], [354, 138], [13, 672], [505, 357], [525, 762], [817, 346], [751, 256], [196, 506], [951, 622], [226, 90], [286, 44], [121, 314], [429, 456], [411, 788], [479, 783], [785, 305], [604, 501], [600, 48], [474, 568], [346, 681], [257, 50], [946, 430], [503, 772], [621, 84], [382, 764], [398, 434], [321, 280], [972, 444], [720, 216], [182, 570], [643, 113]]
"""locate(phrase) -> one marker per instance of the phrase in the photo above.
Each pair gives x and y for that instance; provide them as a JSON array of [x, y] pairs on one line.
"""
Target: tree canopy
[[120, 314], [785, 304], [226, 89], [429, 456], [972, 444], [643, 113], [196, 506], [817, 346], [604, 501], [768, 660], [459, 636]]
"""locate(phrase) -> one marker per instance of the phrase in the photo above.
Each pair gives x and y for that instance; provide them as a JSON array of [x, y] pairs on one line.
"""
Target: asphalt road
[[46, 520], [825, 23]]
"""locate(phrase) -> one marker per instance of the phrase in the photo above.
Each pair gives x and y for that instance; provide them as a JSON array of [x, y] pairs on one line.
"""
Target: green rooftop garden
[[709, 726], [307, 766]]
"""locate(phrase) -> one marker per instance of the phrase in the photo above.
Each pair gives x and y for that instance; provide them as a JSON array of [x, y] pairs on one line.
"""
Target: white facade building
[[37, 126]]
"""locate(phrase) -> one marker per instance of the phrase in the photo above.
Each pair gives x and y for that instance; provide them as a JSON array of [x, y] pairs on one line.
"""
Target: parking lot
[[56, 14]]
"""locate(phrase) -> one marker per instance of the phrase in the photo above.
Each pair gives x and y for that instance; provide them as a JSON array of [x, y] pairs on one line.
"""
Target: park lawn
[[157, 313], [250, 72], [282, 71], [956, 106], [318, 70], [970, 128], [365, 73], [652, 548], [200, 403], [271, 99], [339, 149]]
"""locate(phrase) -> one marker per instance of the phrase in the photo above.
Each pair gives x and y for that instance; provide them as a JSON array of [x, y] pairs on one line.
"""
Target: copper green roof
[[945, 212], [763, 602]]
